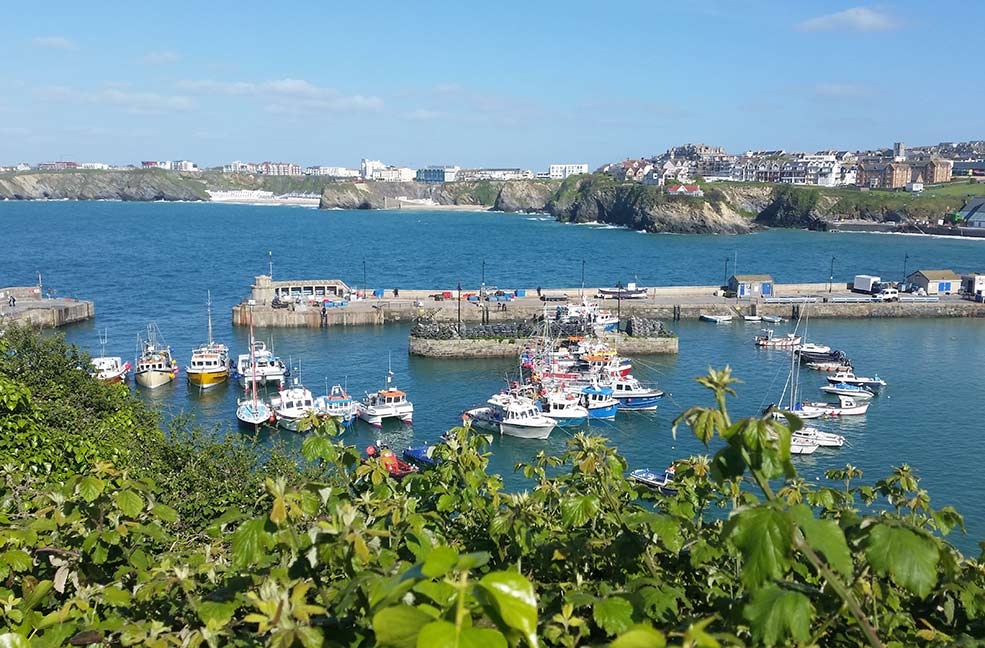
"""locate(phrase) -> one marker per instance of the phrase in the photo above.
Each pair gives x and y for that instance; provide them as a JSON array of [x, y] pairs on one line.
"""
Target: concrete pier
[[32, 310], [669, 303]]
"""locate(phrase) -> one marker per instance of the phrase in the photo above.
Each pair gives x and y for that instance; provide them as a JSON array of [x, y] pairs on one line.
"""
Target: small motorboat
[[154, 366], [844, 389], [210, 362], [260, 365], [512, 415], [827, 356], [338, 404], [811, 348], [388, 402], [797, 408], [716, 319], [253, 411], [398, 469], [802, 446], [422, 455], [292, 406], [773, 319], [849, 378], [599, 402], [752, 318], [631, 291], [632, 395], [829, 365], [769, 341], [847, 406], [564, 407], [659, 481], [109, 369], [823, 439]]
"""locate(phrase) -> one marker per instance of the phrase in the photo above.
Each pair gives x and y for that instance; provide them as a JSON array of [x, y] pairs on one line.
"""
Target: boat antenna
[[103, 339], [389, 370]]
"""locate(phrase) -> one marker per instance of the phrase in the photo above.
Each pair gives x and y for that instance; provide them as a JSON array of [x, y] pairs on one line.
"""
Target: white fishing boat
[[253, 410], [292, 406], [154, 365], [716, 319], [849, 378], [846, 406], [388, 402], [802, 446], [631, 291], [773, 319], [108, 369], [829, 366], [809, 348], [260, 364], [752, 318], [844, 389], [564, 407], [770, 341], [209, 365], [513, 416], [338, 404], [632, 394]]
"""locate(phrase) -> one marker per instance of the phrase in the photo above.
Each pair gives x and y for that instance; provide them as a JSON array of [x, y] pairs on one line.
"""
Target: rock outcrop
[[137, 185]]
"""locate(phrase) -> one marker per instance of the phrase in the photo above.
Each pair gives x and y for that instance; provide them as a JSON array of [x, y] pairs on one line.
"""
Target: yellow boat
[[210, 363]]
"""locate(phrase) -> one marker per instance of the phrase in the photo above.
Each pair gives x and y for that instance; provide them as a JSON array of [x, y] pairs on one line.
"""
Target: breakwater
[[31, 310], [512, 347]]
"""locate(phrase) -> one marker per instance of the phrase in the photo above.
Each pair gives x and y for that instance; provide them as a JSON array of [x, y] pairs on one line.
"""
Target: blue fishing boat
[[599, 402], [659, 481], [422, 456], [633, 396]]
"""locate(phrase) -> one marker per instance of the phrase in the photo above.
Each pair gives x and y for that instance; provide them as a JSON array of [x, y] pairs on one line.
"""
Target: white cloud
[[136, 102], [291, 96], [54, 42], [859, 19], [162, 57]]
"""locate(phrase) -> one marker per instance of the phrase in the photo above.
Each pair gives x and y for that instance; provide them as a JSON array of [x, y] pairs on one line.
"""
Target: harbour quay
[[29, 307], [332, 302]]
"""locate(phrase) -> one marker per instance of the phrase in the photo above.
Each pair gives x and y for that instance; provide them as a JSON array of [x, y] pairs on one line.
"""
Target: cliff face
[[646, 208], [514, 196], [102, 185]]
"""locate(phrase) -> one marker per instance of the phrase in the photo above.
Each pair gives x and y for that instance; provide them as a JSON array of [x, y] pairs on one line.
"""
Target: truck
[[867, 284]]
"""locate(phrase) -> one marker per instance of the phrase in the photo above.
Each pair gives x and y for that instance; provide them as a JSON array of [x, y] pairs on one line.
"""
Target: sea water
[[143, 262]]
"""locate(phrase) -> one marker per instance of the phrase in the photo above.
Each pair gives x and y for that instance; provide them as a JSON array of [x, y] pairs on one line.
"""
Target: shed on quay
[[752, 285], [935, 282]]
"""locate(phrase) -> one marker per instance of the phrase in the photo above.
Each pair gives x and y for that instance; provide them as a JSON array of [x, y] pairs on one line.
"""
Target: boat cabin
[[207, 361], [388, 397], [751, 286]]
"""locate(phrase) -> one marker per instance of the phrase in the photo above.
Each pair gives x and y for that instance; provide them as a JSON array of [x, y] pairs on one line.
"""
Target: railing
[[926, 298], [852, 300], [790, 300]]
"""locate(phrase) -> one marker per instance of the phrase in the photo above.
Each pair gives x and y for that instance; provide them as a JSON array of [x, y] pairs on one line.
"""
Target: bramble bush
[[340, 554]]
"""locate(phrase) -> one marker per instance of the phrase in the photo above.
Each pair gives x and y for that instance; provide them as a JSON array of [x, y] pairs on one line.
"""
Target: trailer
[[867, 284]]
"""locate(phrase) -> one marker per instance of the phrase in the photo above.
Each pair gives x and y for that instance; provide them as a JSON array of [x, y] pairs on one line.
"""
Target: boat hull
[[638, 403], [207, 379], [376, 420], [153, 378], [247, 414], [569, 421], [607, 412]]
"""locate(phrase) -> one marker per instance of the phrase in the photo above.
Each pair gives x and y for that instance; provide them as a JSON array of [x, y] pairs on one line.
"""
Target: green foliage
[[338, 553]]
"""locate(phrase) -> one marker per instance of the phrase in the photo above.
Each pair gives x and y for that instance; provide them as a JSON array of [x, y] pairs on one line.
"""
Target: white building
[[393, 174], [94, 166], [23, 166], [185, 165], [332, 171], [495, 174], [562, 171], [279, 168], [240, 167], [367, 168]]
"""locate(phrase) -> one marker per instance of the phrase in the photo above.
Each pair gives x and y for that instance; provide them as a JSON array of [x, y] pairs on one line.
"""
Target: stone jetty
[[33, 310]]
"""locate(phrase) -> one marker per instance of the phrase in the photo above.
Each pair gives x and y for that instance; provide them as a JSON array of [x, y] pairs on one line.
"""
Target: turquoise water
[[142, 262]]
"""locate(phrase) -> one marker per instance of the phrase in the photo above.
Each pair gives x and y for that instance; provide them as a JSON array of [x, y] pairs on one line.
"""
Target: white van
[[887, 294]]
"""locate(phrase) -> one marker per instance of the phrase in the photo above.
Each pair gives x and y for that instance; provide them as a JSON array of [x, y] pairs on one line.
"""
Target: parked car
[[887, 294]]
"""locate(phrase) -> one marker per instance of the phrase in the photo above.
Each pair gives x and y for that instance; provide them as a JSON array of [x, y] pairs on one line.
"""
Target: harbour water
[[141, 262]]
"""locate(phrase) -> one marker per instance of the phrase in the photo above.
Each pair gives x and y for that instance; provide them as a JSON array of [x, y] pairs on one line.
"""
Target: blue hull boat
[[659, 481], [638, 403], [603, 412], [421, 455], [570, 422]]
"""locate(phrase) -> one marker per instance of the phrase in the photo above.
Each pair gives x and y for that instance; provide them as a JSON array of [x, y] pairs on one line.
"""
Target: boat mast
[[253, 362], [210, 316]]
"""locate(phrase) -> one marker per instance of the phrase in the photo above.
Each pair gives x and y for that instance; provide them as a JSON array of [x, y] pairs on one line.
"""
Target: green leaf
[[316, 446], [439, 561], [310, 637], [441, 634], [640, 636], [130, 503], [116, 596], [775, 614], [91, 487], [763, 534], [249, 542], [17, 560], [613, 614], [576, 511], [11, 640], [215, 615], [514, 600], [165, 512], [909, 559], [472, 560], [398, 626], [826, 537]]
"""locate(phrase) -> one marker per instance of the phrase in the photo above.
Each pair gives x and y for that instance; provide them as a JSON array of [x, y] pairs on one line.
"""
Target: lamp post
[[725, 280], [364, 279], [831, 275], [619, 304], [270, 264], [482, 286], [459, 308], [906, 257]]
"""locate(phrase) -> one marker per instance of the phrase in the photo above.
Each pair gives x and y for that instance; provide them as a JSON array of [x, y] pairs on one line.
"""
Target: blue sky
[[493, 84]]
